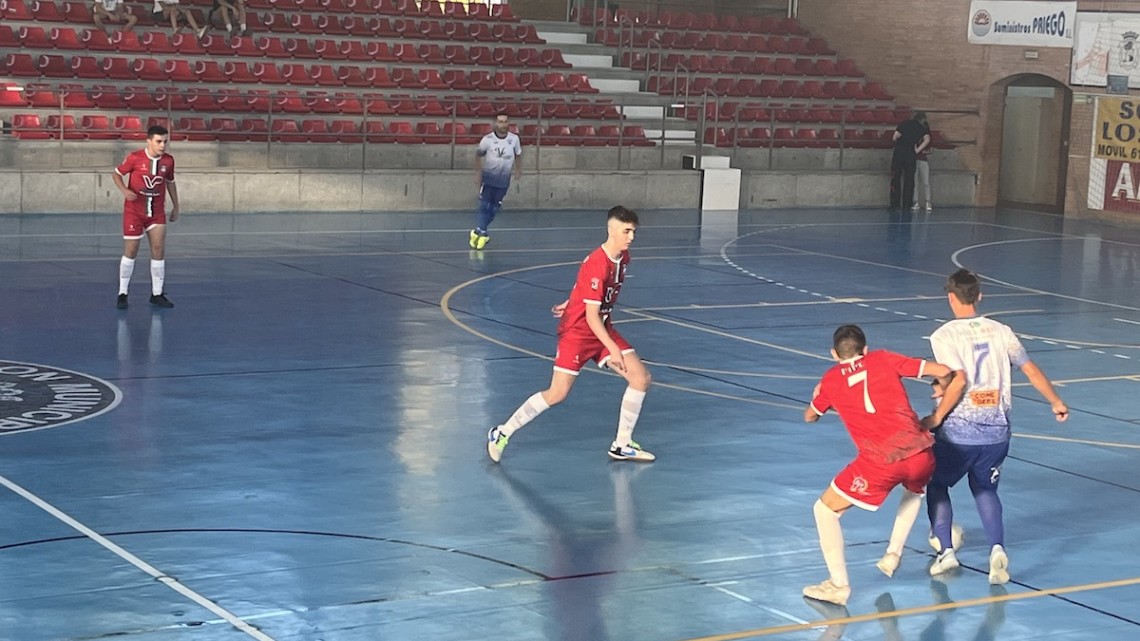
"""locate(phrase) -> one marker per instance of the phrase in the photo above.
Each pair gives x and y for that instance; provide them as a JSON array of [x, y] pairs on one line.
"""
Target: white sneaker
[[999, 566], [957, 535], [944, 562], [889, 563], [631, 452], [914, 207], [828, 591], [496, 443], [929, 208]]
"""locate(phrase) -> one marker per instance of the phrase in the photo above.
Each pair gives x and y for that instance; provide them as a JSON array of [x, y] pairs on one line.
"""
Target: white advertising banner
[[1106, 44], [1022, 24]]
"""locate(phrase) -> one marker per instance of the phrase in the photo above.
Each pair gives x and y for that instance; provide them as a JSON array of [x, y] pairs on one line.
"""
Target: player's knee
[[642, 381]]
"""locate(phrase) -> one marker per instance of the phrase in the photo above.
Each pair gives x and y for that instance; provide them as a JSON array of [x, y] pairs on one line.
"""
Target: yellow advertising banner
[[1116, 132]]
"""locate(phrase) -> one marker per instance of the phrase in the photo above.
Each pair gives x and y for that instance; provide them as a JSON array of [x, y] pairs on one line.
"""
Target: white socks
[[909, 506], [126, 268], [831, 542], [627, 418], [526, 413], [157, 276]]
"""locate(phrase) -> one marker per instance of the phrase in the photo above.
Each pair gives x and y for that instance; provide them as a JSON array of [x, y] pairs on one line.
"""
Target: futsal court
[[296, 451]]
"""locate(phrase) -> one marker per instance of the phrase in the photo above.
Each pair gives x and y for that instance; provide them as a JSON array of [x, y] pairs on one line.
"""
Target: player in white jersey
[[973, 440], [495, 159]]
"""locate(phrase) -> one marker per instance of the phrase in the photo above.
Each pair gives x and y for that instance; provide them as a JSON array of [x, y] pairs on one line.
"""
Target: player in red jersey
[[585, 333], [894, 447], [144, 178]]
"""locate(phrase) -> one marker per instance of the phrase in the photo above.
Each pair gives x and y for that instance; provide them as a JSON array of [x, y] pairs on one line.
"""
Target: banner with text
[[1116, 130], [1024, 24]]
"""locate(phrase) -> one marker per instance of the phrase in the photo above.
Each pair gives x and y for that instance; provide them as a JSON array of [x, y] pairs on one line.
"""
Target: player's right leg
[[560, 384], [827, 510], [97, 15], [637, 376], [127, 268]]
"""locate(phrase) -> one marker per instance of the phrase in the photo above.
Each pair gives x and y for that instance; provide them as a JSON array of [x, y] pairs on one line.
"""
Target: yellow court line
[[925, 609]]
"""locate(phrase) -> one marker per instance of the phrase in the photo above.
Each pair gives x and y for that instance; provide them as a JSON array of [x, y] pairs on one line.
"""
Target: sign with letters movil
[[1022, 24]]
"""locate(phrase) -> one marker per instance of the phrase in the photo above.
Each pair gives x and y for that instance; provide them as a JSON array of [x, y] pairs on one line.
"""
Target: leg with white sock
[[156, 236], [126, 269], [157, 276], [827, 510], [909, 506], [560, 384], [638, 378]]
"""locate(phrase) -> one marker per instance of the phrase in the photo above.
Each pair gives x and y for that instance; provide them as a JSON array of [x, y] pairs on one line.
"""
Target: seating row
[[758, 65], [639, 39], [157, 43], [111, 98], [78, 12], [346, 75], [100, 127], [684, 21], [668, 84], [807, 137]]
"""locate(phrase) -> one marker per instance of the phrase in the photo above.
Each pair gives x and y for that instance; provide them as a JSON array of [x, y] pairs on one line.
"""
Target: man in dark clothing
[[910, 137]]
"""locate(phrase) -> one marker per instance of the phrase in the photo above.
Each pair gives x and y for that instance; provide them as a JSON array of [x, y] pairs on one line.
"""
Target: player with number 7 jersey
[[894, 447]]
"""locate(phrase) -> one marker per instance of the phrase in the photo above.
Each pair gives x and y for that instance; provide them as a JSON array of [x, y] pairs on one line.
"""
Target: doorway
[[1035, 144]]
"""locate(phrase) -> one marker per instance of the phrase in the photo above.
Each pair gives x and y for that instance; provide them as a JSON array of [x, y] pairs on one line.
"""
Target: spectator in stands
[[922, 164], [230, 10], [112, 11], [172, 9], [908, 136]]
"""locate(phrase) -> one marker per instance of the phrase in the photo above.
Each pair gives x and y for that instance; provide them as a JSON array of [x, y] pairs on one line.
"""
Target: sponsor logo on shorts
[[36, 397]]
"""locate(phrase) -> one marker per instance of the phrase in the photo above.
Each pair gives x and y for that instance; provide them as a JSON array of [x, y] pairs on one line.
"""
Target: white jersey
[[108, 5], [498, 156], [985, 349]]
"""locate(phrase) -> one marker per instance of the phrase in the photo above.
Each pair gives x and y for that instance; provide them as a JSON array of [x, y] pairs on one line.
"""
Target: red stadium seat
[[97, 127], [178, 70], [29, 127], [226, 129], [238, 72], [86, 67], [15, 10], [66, 124]]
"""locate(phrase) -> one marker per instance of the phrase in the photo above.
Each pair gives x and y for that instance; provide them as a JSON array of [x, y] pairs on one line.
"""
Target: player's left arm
[[172, 189], [1037, 378], [518, 156]]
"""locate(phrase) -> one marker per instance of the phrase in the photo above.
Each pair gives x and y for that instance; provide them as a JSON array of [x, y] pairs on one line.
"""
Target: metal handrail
[[649, 45]]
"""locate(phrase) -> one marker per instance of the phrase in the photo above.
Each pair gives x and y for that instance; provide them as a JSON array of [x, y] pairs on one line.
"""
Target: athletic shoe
[[631, 452], [496, 443], [914, 207], [944, 562], [482, 241], [161, 301], [828, 591], [999, 566], [474, 239], [929, 208], [889, 563], [957, 534], [121, 302], [202, 31]]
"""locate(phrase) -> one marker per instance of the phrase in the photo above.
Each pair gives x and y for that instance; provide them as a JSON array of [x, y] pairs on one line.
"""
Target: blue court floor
[[296, 451]]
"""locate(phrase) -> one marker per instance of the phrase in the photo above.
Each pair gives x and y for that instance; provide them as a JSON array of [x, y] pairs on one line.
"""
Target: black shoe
[[121, 302], [161, 301]]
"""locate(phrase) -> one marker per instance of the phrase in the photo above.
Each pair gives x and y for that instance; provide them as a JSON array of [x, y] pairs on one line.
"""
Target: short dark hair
[[622, 214], [849, 341], [965, 285], [156, 130], [502, 114]]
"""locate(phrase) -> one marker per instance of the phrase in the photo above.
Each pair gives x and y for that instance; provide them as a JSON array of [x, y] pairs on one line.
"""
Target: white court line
[[1125, 320], [168, 581]]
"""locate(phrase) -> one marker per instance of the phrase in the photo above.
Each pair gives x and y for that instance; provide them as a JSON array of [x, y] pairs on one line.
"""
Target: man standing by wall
[[908, 137]]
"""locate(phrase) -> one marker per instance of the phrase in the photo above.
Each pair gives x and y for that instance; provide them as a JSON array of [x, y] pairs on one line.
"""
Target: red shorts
[[866, 483], [136, 223], [575, 351]]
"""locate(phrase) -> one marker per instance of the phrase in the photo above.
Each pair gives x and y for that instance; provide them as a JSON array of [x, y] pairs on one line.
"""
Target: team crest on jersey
[[595, 283], [36, 397], [859, 485]]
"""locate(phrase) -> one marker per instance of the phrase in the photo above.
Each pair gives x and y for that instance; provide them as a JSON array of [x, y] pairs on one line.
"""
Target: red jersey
[[599, 282], [147, 177], [868, 393]]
